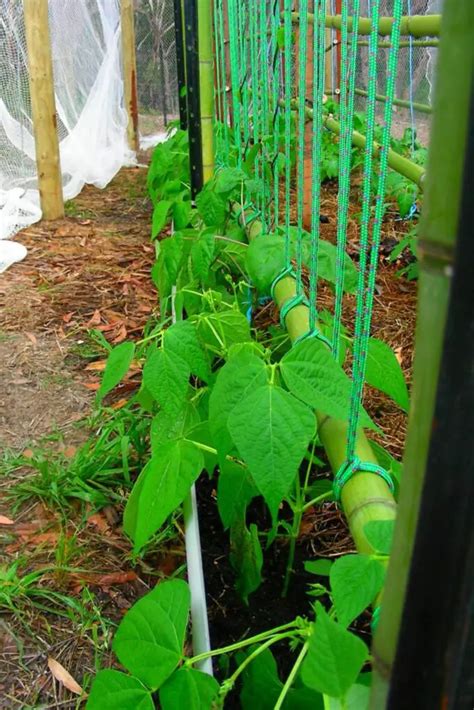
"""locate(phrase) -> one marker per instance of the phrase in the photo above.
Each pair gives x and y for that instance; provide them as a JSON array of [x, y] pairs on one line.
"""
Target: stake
[[129, 64], [206, 86], [43, 108], [193, 95], [441, 438], [180, 63]]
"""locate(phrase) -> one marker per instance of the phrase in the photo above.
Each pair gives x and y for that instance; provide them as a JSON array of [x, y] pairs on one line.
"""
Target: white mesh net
[[86, 50]]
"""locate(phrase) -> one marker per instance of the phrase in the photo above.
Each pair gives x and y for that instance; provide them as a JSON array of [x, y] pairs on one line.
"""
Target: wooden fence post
[[43, 108], [129, 64]]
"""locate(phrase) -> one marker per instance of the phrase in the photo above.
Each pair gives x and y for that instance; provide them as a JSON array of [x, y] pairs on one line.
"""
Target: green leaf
[[355, 582], [318, 488], [166, 427], [356, 699], [223, 329], [149, 640], [272, 431], [160, 488], [189, 689], [327, 265], [311, 373], [261, 688], [212, 208], [118, 364], [113, 689], [235, 381], [202, 254], [227, 179], [166, 269], [321, 567], [181, 339], [384, 459], [246, 558], [335, 657], [383, 371], [181, 214], [379, 533], [235, 490], [166, 377], [265, 259], [160, 217]]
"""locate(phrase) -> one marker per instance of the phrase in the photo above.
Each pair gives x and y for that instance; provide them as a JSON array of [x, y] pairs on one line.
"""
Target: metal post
[[193, 95], [180, 63]]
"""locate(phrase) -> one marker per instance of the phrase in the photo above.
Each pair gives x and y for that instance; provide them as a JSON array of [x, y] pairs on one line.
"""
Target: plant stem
[[229, 683], [241, 644], [318, 499], [292, 676]]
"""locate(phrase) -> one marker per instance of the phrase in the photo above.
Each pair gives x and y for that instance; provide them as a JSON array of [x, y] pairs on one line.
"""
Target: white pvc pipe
[[199, 621]]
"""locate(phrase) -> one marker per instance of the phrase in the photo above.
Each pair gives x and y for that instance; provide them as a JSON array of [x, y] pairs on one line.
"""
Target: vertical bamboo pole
[[308, 134], [206, 86], [129, 64], [43, 108], [437, 235], [329, 88]]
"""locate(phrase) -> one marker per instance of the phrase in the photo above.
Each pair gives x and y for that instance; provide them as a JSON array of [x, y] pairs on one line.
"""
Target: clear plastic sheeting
[[86, 51]]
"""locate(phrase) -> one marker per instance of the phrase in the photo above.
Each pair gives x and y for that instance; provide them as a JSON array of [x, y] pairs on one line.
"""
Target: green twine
[[348, 470]]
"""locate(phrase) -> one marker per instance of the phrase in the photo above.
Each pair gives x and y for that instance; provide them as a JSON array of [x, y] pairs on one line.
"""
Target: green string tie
[[349, 469], [254, 213], [314, 333], [375, 618], [298, 299]]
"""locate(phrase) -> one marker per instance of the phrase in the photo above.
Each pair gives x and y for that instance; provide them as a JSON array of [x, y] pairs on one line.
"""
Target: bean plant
[[226, 399]]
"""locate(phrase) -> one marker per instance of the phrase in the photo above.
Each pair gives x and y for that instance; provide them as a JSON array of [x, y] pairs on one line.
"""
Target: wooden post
[[43, 108], [129, 64]]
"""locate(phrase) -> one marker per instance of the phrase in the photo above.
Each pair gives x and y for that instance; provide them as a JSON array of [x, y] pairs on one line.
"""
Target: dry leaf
[[95, 320], [64, 677], [98, 365], [28, 453], [70, 451], [94, 386], [31, 338], [6, 521]]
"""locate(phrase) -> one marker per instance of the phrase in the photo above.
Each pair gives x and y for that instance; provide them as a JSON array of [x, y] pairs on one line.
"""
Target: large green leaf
[[240, 376], [272, 431], [246, 558], [149, 640], [335, 657], [212, 208], [166, 427], [166, 268], [235, 490], [118, 364], [112, 690], [160, 488], [355, 582], [160, 217], [265, 259], [311, 373], [189, 689], [327, 266], [227, 179], [166, 377], [220, 330], [261, 688], [202, 254], [379, 533], [383, 371], [181, 339], [181, 214], [357, 698]]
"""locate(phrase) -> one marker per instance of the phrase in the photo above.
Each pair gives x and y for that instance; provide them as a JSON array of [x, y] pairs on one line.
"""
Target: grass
[[72, 209]]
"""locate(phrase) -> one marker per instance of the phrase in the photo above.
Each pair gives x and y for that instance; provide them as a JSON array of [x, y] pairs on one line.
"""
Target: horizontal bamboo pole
[[403, 43], [422, 108], [411, 25], [397, 162], [366, 496], [43, 108]]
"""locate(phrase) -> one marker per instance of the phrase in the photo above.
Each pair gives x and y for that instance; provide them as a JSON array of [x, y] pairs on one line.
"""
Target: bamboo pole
[[422, 108], [129, 64], [206, 86], [436, 243], [366, 496], [397, 162], [43, 108], [411, 25]]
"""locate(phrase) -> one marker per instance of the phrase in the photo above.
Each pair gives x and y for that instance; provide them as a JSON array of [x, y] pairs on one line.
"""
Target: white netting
[[86, 50]]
